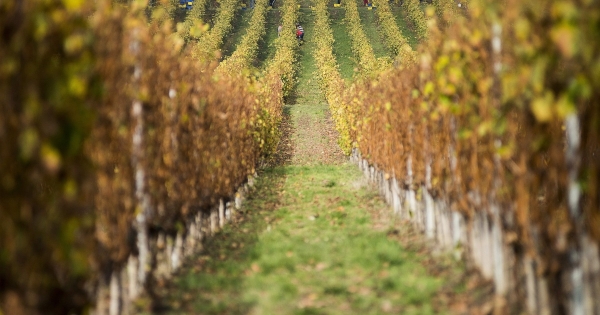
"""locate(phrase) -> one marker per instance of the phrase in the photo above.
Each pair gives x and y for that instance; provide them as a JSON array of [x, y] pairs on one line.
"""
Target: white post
[[102, 297], [429, 214], [457, 234], [498, 253], [221, 213], [132, 274], [238, 200], [162, 269], [199, 228], [190, 246], [143, 200], [412, 200], [168, 255], [229, 207], [213, 220], [115, 294], [396, 196], [177, 252], [572, 133], [591, 273]]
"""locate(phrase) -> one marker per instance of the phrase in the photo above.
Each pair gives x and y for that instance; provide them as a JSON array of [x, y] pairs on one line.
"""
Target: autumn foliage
[[501, 109], [82, 85]]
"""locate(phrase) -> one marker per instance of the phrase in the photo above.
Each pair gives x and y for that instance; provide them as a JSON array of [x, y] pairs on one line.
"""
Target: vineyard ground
[[407, 30], [266, 49], [240, 24], [314, 137], [313, 237], [313, 240], [342, 47], [370, 26]]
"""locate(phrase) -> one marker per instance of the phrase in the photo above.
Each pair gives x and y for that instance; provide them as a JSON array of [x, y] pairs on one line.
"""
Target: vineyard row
[[121, 151], [490, 142]]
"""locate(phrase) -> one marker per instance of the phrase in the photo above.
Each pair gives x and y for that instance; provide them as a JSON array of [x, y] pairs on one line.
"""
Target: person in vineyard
[[299, 32], [279, 29], [366, 2]]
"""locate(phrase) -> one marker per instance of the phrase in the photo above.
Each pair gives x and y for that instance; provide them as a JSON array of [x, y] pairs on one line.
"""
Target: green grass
[[306, 241], [240, 23], [407, 32], [369, 23], [308, 91], [342, 45], [267, 49], [323, 254], [316, 254], [308, 107], [308, 97]]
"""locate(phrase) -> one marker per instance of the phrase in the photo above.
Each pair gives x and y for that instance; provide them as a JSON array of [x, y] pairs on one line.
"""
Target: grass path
[[370, 25], [306, 245], [240, 23], [402, 21], [265, 51], [314, 139], [342, 47], [314, 238]]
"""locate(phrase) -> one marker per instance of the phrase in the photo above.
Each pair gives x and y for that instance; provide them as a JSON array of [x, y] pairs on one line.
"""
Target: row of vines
[[498, 119], [210, 40], [394, 40], [368, 64], [114, 132]]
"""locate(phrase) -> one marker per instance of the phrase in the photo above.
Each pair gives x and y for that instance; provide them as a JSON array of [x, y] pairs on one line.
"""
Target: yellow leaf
[[73, 44], [70, 189], [73, 5], [28, 142], [77, 86], [564, 36], [522, 28], [542, 108], [50, 158], [428, 88], [564, 106]]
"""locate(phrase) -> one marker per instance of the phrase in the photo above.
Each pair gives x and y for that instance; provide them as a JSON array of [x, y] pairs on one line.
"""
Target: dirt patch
[[336, 154], [285, 148], [315, 141]]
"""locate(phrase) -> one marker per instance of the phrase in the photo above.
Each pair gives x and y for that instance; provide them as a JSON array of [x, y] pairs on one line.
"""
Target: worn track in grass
[[313, 237]]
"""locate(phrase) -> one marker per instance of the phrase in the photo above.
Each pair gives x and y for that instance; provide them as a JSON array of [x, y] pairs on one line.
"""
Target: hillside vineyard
[[133, 131]]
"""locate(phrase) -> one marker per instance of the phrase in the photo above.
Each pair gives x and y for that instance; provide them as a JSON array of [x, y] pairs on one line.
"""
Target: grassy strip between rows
[[395, 41], [266, 50], [317, 254], [342, 44], [331, 80], [368, 64], [278, 80], [233, 40], [209, 42], [400, 16], [246, 51], [370, 27], [283, 63], [417, 17]]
